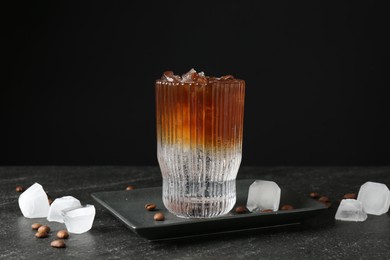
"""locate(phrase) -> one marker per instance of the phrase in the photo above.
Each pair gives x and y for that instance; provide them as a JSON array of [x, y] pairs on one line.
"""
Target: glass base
[[199, 199]]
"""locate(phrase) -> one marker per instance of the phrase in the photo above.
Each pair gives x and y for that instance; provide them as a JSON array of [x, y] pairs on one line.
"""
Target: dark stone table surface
[[319, 238]]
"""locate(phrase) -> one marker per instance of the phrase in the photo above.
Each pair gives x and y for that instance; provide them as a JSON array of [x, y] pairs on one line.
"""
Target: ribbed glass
[[199, 144]]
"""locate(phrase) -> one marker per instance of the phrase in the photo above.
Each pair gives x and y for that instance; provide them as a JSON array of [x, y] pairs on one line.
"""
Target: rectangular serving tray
[[129, 207]]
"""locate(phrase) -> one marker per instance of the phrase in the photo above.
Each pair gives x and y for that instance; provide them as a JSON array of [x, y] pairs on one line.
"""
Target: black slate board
[[128, 207]]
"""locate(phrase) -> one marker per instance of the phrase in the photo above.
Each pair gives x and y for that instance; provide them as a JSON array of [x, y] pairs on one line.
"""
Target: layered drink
[[199, 142]]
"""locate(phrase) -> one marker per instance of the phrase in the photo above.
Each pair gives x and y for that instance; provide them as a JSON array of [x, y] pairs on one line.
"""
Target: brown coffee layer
[[200, 115]]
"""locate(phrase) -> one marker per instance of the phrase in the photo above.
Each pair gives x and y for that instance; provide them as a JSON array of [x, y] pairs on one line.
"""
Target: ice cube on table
[[263, 195], [351, 210], [79, 219], [33, 202], [375, 198], [55, 211]]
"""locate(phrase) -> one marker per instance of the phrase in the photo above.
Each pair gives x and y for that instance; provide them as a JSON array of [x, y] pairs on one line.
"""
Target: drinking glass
[[199, 145]]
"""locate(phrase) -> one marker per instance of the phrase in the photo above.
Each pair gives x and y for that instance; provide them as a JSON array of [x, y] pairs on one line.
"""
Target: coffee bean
[[266, 210], [63, 234], [150, 206], [323, 199], [41, 234], [35, 226], [287, 207], [350, 196], [44, 229], [241, 209], [130, 187], [50, 201], [19, 189], [58, 243], [159, 216], [314, 195]]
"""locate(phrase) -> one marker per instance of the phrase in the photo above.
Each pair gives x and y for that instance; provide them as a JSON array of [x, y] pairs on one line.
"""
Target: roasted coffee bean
[[130, 187], [159, 216], [314, 195], [58, 243], [41, 234], [50, 201], [44, 229], [63, 234], [19, 189], [287, 207], [266, 210], [323, 199], [150, 206], [351, 196], [35, 226], [241, 209]]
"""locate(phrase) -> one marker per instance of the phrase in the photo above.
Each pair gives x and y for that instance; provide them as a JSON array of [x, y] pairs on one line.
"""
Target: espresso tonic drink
[[199, 142]]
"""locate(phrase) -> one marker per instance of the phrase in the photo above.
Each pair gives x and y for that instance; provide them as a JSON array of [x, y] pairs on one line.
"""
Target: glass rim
[[212, 82]]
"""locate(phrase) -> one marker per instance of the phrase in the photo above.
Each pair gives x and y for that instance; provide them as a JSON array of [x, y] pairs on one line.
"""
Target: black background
[[79, 84]]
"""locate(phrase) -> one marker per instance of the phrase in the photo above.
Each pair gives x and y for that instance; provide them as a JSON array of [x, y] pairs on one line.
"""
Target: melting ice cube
[[375, 198], [170, 77], [33, 202], [60, 204], [350, 210], [188, 76], [79, 219], [263, 195]]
